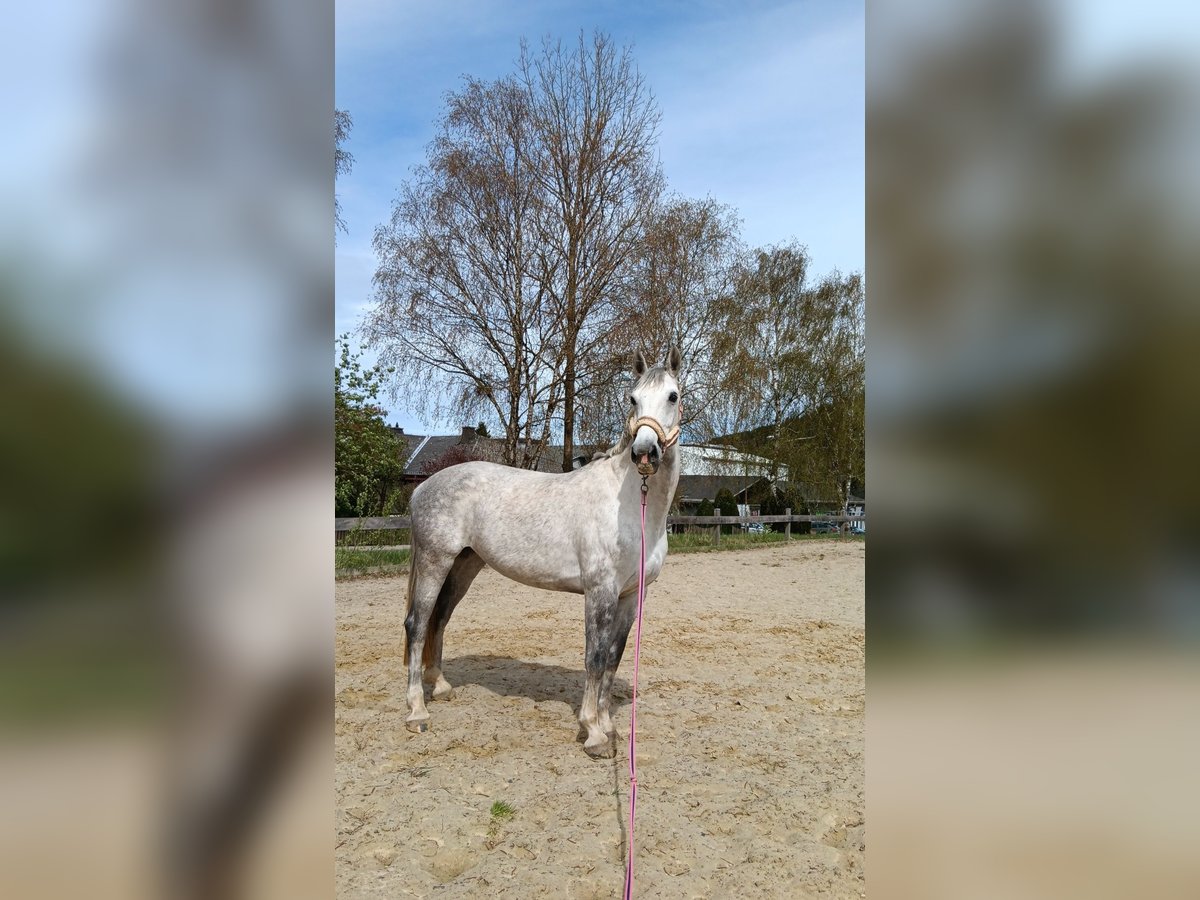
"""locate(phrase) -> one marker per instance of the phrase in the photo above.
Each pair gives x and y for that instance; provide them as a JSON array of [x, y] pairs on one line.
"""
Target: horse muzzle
[[646, 460]]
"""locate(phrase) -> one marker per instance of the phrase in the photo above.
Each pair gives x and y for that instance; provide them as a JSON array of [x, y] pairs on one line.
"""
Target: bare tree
[[462, 305], [596, 123], [681, 272], [343, 160], [835, 415], [792, 363], [498, 270]]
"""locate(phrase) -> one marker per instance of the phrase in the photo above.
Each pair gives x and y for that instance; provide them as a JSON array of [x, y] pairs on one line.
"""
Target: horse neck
[[661, 484]]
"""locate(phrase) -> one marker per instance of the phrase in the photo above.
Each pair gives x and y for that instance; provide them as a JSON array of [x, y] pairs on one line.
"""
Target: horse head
[[655, 413]]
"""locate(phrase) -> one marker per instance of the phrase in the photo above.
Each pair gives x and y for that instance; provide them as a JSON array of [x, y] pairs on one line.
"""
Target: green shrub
[[770, 506], [727, 504]]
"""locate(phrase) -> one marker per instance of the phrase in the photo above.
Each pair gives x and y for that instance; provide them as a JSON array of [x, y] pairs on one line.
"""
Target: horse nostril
[[654, 452]]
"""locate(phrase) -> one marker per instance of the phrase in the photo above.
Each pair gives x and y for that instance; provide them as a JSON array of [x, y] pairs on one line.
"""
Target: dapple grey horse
[[577, 532]]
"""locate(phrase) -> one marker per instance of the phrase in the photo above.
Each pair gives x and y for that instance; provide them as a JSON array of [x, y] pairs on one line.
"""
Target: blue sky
[[762, 108]]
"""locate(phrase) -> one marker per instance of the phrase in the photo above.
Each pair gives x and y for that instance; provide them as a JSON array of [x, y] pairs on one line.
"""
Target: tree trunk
[[511, 436], [514, 401], [569, 411], [569, 367]]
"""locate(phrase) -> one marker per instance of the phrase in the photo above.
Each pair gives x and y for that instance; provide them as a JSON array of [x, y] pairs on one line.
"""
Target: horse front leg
[[626, 614], [600, 608]]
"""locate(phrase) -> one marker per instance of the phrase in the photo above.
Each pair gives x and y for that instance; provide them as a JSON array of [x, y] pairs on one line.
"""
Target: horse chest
[[655, 554], [654, 559]]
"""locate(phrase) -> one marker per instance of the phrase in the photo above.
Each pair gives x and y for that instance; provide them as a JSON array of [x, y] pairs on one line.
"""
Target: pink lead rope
[[637, 652]]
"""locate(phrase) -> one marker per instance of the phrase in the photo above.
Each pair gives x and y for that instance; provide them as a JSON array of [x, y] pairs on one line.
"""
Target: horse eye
[[631, 400], [674, 396]]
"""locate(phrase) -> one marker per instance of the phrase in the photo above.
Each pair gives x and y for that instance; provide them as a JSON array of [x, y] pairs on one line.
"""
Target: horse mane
[[620, 446]]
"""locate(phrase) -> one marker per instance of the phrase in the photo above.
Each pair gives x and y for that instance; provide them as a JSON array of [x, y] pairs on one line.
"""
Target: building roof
[[714, 459], [693, 488], [704, 469], [428, 451], [419, 450]]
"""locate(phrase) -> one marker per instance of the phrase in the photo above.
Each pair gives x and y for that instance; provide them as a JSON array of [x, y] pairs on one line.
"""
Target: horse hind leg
[[466, 566], [427, 575]]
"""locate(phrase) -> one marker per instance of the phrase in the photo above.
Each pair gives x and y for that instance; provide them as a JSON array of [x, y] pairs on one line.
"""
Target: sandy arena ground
[[750, 739]]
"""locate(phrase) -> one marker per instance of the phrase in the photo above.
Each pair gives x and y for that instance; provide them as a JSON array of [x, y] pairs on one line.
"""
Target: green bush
[[366, 455], [705, 508], [777, 503], [726, 503], [770, 506], [789, 499]]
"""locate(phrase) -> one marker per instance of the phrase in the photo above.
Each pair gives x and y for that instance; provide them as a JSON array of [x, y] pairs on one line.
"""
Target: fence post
[[788, 528], [717, 533]]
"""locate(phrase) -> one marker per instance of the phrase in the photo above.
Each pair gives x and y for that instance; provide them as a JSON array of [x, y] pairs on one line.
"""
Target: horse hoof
[[605, 750], [417, 726], [442, 691]]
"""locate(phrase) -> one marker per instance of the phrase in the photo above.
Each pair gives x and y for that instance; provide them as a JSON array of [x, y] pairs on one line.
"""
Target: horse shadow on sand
[[539, 682], [542, 683]]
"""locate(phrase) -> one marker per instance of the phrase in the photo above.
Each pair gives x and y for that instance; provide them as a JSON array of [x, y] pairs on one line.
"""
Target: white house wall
[[696, 459]]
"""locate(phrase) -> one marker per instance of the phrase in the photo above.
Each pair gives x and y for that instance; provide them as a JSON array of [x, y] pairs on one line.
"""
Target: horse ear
[[674, 361], [639, 364]]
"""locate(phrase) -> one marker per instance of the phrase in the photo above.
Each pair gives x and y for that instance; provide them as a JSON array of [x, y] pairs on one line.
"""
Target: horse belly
[[540, 577], [546, 565]]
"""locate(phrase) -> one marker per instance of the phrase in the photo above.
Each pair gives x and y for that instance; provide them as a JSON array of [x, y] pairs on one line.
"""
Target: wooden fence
[[396, 523]]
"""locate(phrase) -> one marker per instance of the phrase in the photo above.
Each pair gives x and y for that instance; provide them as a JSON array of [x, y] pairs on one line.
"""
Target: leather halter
[[665, 438]]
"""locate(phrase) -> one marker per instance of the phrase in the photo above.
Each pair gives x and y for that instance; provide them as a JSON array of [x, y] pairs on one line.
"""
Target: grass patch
[[360, 560], [502, 812], [374, 537], [702, 542]]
